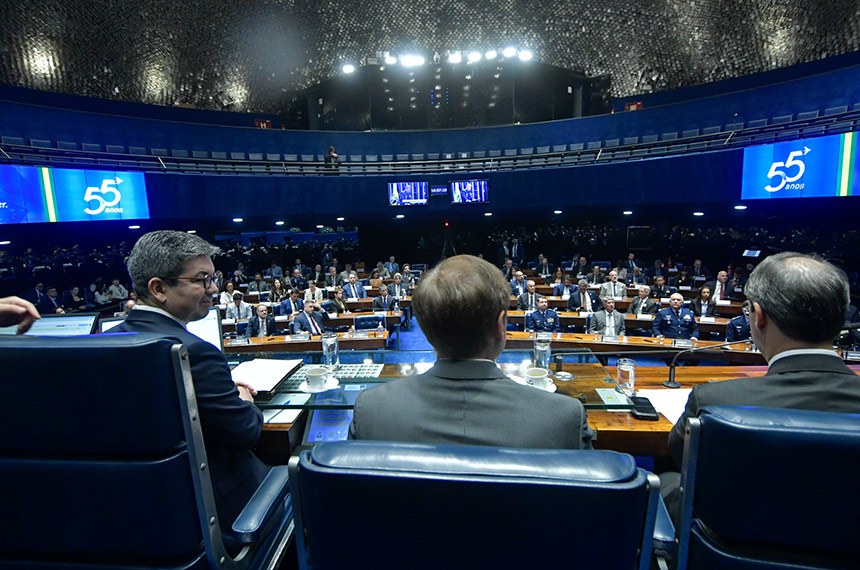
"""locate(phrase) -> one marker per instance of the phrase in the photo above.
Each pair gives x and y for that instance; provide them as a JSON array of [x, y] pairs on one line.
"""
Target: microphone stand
[[671, 382]]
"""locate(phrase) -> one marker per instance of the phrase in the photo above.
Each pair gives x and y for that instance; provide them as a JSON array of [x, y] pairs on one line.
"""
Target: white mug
[[537, 377], [317, 378]]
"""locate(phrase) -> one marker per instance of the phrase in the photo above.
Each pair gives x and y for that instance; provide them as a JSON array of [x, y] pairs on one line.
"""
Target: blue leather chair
[[395, 505], [366, 322], [102, 462], [770, 488]]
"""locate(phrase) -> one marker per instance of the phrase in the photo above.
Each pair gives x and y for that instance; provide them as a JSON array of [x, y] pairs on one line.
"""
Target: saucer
[[330, 384], [550, 386]]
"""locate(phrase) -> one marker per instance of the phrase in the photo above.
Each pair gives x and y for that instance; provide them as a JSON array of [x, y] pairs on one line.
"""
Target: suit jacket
[[595, 279], [620, 289], [299, 283], [558, 290], [385, 304], [575, 302], [231, 426], [523, 301], [518, 289], [403, 292], [738, 329], [546, 322], [297, 306], [258, 286], [802, 381], [696, 307], [670, 326], [598, 324], [302, 324], [469, 402], [253, 328], [359, 291], [333, 281], [658, 293], [651, 307], [633, 279], [728, 292], [48, 307]]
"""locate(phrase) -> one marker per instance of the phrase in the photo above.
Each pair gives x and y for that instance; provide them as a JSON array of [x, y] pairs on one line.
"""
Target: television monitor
[[407, 193], [209, 328], [108, 323], [327, 425], [469, 192], [752, 253], [73, 324]]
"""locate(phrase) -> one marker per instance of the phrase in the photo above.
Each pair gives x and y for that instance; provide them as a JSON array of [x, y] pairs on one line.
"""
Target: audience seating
[[103, 463], [770, 488], [396, 505]]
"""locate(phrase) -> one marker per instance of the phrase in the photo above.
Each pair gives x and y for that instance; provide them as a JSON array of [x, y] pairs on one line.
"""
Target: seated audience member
[[375, 280], [127, 307], [557, 277], [508, 269], [262, 324], [398, 289], [528, 300], [353, 288], [18, 311], [310, 319], [34, 295], [239, 274], [613, 287], [317, 275], [657, 270], [226, 296], [51, 304], [519, 285], [543, 319], [408, 276], [464, 398], [218, 280], [545, 268], [392, 266], [102, 295], [621, 271], [313, 294], [793, 322], [172, 274], [383, 301], [675, 321], [636, 277], [344, 275], [607, 321], [332, 279], [116, 291], [274, 271], [631, 263], [643, 304], [596, 277], [238, 310], [703, 305], [720, 290], [739, 327], [258, 284], [298, 281], [278, 292], [337, 305], [382, 270], [660, 290], [581, 269], [584, 300], [697, 270], [566, 289], [74, 300], [682, 279], [292, 304], [304, 270]]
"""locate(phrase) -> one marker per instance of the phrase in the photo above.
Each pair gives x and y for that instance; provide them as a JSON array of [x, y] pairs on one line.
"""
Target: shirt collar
[[159, 310], [800, 351]]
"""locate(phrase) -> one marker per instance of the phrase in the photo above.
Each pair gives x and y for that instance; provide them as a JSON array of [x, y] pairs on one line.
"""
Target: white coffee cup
[[317, 378], [537, 377]]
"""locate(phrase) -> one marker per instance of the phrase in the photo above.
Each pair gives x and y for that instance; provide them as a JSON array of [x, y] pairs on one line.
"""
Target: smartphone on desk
[[643, 409]]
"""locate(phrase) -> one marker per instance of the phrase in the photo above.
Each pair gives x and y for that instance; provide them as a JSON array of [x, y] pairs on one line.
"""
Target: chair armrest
[[664, 532], [265, 502]]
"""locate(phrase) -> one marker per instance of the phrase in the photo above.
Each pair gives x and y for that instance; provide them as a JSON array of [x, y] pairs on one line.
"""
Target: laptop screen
[[59, 325], [209, 328]]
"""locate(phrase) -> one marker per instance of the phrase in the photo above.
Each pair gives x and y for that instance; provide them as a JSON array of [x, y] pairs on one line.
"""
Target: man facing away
[[461, 306], [172, 275]]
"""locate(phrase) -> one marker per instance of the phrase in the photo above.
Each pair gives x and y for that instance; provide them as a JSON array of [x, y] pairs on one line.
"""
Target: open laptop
[[71, 324]]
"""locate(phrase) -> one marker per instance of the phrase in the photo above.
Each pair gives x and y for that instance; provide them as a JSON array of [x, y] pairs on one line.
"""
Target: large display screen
[[805, 168], [33, 194], [469, 191], [407, 193]]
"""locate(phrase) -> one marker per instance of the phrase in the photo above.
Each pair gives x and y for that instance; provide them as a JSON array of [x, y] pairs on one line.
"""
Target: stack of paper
[[263, 374]]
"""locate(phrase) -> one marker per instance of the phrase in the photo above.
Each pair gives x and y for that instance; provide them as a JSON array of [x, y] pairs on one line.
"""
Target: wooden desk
[[366, 304], [654, 346], [572, 318], [375, 340]]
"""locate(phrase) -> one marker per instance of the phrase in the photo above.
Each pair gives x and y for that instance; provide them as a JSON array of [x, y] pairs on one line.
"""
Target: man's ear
[[502, 325], [760, 320], [157, 290]]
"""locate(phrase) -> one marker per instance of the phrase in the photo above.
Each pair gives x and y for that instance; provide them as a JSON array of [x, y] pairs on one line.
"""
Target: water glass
[[542, 353], [626, 376], [331, 355]]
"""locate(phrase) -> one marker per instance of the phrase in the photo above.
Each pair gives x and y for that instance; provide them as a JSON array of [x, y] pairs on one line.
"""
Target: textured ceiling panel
[[256, 53]]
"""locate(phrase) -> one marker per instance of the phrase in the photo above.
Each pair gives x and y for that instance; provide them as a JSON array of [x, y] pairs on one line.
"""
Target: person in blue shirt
[[353, 289], [676, 321], [543, 319], [739, 327]]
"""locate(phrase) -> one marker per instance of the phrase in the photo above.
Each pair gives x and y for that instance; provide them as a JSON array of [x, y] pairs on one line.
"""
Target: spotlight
[[340, 219], [455, 57], [399, 216], [488, 214], [411, 60], [556, 212], [5, 242], [237, 220], [320, 226], [492, 54], [390, 59], [134, 227], [509, 52], [348, 68], [740, 207], [526, 55], [191, 232], [698, 214], [279, 223], [473, 57], [627, 212]]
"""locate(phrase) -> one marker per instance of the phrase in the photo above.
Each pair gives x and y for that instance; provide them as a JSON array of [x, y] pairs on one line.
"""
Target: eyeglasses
[[206, 280]]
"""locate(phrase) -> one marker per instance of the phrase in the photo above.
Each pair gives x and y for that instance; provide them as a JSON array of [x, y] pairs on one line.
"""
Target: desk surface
[[373, 341], [574, 318]]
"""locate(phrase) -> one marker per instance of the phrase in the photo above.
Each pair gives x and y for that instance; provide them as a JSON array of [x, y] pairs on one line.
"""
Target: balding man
[[720, 290], [528, 300], [461, 306], [518, 284]]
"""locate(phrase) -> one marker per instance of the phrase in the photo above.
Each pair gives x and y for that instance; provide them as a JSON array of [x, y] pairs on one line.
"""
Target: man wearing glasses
[[172, 275]]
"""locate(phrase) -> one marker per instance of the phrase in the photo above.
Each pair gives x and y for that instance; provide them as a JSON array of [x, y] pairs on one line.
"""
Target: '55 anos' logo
[[780, 171], [107, 196]]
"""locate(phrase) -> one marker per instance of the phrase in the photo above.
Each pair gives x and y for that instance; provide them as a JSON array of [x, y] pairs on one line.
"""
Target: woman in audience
[[73, 300], [703, 305], [375, 279], [620, 270], [557, 278], [278, 292], [313, 294], [337, 305], [102, 295], [227, 295]]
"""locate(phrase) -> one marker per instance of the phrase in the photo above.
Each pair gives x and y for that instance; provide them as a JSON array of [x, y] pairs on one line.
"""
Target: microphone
[[671, 383]]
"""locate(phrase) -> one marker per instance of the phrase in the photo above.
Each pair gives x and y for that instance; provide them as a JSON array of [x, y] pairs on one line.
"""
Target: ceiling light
[[134, 227], [390, 59], [5, 242], [455, 57], [473, 57], [411, 60], [556, 212], [492, 54], [237, 220], [740, 207], [509, 52], [399, 216], [348, 68], [526, 55], [698, 213], [627, 212], [488, 214], [341, 219], [191, 232], [279, 223]]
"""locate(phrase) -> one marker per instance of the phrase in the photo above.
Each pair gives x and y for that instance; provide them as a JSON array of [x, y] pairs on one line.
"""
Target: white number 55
[[783, 175], [100, 195]]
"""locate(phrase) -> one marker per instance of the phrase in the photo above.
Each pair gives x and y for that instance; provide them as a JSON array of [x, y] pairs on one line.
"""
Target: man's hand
[[14, 310], [246, 391]]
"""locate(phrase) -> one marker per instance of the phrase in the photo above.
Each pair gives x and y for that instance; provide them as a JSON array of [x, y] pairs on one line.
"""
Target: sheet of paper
[[285, 417], [264, 373], [670, 403]]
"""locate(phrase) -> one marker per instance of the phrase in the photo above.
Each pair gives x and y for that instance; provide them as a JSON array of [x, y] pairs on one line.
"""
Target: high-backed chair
[[102, 462], [770, 488], [365, 322], [387, 505]]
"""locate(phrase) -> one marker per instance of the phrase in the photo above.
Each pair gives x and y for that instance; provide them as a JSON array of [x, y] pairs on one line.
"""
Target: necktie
[[314, 326], [262, 327], [610, 323], [719, 291], [613, 290], [531, 301]]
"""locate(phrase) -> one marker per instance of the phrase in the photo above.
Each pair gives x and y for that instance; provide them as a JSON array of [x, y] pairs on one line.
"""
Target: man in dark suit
[[596, 277], [528, 300], [518, 284], [584, 300], [298, 281], [292, 305], [262, 324], [464, 398], [172, 275], [643, 304], [719, 287], [310, 320], [565, 290], [660, 290], [398, 289], [383, 301], [353, 289], [50, 303], [544, 319], [332, 279]]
